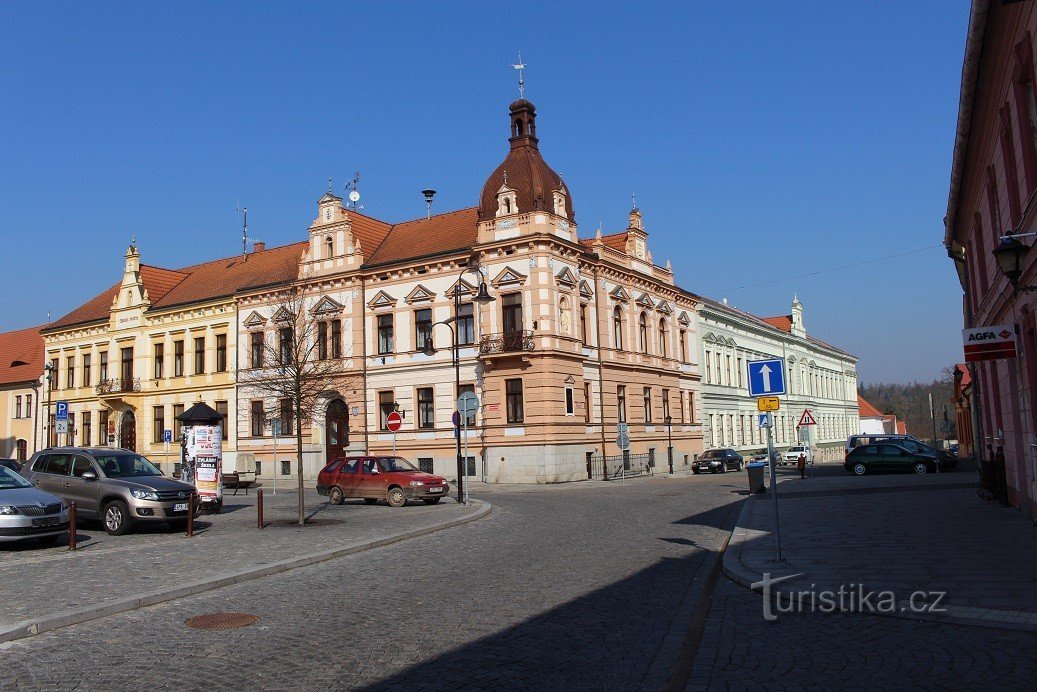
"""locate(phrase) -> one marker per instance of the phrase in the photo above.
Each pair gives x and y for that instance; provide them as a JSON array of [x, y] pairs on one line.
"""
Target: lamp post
[[669, 443], [51, 376], [482, 297], [1009, 255]]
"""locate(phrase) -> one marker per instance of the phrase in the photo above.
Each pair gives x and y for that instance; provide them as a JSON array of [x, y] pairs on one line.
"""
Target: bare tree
[[293, 367]]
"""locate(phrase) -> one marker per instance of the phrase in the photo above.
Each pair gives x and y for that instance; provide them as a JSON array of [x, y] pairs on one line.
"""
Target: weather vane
[[633, 201], [522, 82]]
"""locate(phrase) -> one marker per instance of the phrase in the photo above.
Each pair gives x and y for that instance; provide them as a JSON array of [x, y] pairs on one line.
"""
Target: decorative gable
[[683, 318], [645, 302], [566, 278], [619, 293], [326, 306], [663, 307], [509, 276], [381, 300], [283, 315], [255, 320], [465, 289], [420, 295], [585, 290]]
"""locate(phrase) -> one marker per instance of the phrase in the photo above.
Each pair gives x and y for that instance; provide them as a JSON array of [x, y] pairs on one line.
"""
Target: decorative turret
[[797, 317]]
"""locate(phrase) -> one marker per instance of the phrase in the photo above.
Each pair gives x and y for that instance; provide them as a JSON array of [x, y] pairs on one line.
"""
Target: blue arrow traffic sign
[[766, 377], [61, 410]]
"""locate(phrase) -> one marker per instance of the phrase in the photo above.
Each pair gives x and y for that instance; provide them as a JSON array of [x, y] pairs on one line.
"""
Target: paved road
[[584, 586]]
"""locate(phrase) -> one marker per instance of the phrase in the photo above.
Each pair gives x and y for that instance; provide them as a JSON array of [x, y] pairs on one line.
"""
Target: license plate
[[180, 507], [45, 521], [435, 490]]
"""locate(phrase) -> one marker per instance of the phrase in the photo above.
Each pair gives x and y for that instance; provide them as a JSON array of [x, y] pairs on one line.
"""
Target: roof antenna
[[354, 195], [244, 232], [520, 66], [429, 194], [329, 183]]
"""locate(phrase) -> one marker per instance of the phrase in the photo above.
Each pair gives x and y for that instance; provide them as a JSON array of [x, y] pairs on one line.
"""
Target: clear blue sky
[[763, 140]]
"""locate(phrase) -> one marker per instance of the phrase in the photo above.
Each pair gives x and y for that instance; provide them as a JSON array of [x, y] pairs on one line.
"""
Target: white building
[[820, 378]]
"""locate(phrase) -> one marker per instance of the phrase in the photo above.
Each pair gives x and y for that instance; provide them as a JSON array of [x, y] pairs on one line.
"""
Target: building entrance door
[[128, 432], [336, 430]]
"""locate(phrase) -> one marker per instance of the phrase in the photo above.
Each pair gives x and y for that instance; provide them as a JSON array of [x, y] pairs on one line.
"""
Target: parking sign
[[61, 410]]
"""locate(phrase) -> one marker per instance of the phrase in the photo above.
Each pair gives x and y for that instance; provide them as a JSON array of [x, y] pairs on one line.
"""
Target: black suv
[[718, 461]]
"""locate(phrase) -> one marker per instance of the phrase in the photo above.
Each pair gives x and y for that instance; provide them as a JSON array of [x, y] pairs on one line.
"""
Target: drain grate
[[222, 621]]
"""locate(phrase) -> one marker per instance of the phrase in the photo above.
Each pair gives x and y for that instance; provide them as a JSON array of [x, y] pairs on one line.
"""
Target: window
[[583, 323], [617, 328], [425, 464], [422, 329], [87, 428], [336, 338], [1026, 109], [126, 358], [160, 360], [1011, 172], [691, 407], [221, 353], [178, 358], [666, 404], [284, 346], [199, 355], [322, 340], [511, 312], [287, 410], [684, 346], [286, 467], [741, 373], [70, 375], [727, 370], [28, 405], [643, 332], [465, 325], [621, 404], [663, 351], [386, 405], [70, 437], [513, 398], [648, 404], [258, 418], [102, 427], [708, 370], [587, 402], [255, 343], [471, 414], [221, 408], [158, 424], [23, 450], [178, 427], [52, 377], [385, 334], [18, 406], [426, 408], [86, 371], [259, 467], [570, 404], [329, 247]]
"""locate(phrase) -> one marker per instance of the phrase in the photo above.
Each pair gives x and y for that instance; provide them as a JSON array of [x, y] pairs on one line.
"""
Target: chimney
[[258, 246]]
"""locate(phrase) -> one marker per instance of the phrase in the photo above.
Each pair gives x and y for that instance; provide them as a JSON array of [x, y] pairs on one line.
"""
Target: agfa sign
[[989, 343]]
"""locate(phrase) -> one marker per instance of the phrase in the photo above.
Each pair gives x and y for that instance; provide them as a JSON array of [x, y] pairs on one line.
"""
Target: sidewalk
[[109, 574], [895, 532]]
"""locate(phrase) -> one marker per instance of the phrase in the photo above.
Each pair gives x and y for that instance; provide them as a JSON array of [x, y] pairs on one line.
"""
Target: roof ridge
[[198, 265], [433, 216]]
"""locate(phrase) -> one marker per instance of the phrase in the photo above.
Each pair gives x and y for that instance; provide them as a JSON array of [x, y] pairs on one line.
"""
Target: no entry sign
[[393, 421], [989, 343]]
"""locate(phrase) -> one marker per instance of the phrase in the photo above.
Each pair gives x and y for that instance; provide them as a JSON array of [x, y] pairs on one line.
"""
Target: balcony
[[508, 342], [117, 386]]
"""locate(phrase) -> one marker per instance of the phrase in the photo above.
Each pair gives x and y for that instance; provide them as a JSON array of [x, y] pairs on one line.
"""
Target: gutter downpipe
[[601, 386], [363, 353]]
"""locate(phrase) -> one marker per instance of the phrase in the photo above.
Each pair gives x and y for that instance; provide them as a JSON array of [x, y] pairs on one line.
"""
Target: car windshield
[[395, 464], [126, 466], [9, 480]]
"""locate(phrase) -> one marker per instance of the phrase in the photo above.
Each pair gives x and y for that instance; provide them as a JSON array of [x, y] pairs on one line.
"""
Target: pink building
[[991, 220]]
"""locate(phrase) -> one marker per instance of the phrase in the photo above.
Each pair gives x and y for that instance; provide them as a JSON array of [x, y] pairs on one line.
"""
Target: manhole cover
[[222, 621]]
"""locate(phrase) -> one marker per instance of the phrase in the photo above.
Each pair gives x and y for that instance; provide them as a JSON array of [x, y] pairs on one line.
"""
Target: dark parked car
[[717, 461], [890, 457], [12, 464]]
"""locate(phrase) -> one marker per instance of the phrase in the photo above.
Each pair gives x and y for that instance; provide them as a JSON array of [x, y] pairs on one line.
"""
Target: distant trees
[[910, 403]]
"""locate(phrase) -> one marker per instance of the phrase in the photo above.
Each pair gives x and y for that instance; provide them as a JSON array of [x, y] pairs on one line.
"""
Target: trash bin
[[755, 472]]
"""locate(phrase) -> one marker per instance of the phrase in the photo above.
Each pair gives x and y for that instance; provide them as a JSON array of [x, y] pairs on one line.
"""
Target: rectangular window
[[322, 340], [385, 334], [471, 414], [286, 467], [284, 345], [87, 428], [684, 346], [70, 437], [199, 355], [255, 345], [621, 404], [86, 372], [160, 361], [126, 363], [426, 408], [178, 358], [570, 403], [287, 417], [422, 329], [259, 467], [336, 338], [425, 464], [258, 418], [709, 371], [648, 404], [587, 402], [511, 312], [103, 366], [583, 323], [178, 427], [666, 404], [221, 408], [465, 324], [386, 405], [70, 375], [221, 353], [158, 424], [28, 405], [513, 397], [18, 406], [102, 427], [741, 373]]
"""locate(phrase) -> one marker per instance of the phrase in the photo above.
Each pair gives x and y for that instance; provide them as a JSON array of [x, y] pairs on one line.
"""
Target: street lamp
[[669, 443], [1009, 255], [482, 297], [51, 376]]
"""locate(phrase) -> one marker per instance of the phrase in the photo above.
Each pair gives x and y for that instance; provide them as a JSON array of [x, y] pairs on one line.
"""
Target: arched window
[[564, 317], [662, 337], [643, 331], [684, 346], [518, 127], [617, 328], [329, 247], [507, 205]]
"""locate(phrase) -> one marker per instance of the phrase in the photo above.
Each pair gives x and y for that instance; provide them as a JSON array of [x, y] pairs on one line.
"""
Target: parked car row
[[893, 456], [374, 478], [717, 461]]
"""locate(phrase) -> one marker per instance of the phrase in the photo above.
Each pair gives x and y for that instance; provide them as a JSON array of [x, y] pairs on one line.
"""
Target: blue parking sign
[[766, 377], [167, 435], [61, 410]]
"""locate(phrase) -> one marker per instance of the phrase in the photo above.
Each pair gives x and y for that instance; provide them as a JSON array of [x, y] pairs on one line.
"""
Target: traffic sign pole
[[774, 491]]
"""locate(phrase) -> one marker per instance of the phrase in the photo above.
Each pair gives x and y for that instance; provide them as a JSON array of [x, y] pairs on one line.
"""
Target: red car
[[393, 479]]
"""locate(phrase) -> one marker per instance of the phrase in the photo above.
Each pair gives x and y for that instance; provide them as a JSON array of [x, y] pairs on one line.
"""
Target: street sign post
[[467, 403], [393, 422], [774, 487], [623, 437], [765, 420], [61, 410], [61, 427], [767, 403], [807, 418], [766, 377], [275, 429]]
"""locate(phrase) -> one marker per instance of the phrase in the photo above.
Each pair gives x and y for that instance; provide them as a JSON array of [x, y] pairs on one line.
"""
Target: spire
[[521, 66]]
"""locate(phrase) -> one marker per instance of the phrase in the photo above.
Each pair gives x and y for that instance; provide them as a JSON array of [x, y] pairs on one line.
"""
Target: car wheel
[[49, 540], [860, 469], [723, 467], [695, 471], [371, 500], [921, 468], [335, 495], [396, 498], [431, 500], [116, 518]]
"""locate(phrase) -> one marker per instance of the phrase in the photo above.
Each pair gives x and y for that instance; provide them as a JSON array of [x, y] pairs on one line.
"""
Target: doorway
[[336, 430], [128, 432]]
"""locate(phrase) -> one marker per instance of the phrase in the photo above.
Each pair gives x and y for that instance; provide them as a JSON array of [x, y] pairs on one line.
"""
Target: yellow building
[[131, 359], [21, 371]]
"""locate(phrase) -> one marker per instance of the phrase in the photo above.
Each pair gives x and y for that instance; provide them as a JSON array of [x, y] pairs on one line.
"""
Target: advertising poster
[[205, 458]]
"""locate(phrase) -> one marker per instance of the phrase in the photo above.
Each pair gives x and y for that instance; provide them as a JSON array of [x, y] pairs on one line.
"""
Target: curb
[[952, 614], [53, 621]]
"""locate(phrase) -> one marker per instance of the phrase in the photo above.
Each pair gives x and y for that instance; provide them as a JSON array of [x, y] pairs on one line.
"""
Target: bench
[[238, 480]]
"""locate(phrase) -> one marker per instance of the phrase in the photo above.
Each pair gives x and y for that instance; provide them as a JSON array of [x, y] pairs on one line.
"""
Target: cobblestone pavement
[[739, 650], [111, 567], [589, 585]]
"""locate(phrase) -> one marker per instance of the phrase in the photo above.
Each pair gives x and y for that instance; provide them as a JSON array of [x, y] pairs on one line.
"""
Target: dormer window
[[559, 199], [507, 201]]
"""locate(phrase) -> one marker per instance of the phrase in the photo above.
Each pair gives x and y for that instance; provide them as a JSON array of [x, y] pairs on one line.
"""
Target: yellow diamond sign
[[767, 403]]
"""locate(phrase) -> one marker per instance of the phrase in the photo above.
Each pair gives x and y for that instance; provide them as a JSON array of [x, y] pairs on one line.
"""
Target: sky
[[763, 141]]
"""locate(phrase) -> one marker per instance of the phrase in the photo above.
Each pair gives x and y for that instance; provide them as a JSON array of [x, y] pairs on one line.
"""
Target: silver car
[[28, 512]]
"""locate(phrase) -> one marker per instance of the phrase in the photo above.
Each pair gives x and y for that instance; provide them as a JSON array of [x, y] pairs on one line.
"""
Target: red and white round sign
[[393, 421]]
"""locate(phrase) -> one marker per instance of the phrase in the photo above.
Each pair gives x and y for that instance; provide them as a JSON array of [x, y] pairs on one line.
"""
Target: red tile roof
[[901, 427], [782, 322], [369, 231], [447, 232], [616, 241], [966, 379], [866, 409], [21, 356]]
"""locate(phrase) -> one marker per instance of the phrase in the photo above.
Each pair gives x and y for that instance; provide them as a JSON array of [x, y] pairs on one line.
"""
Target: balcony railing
[[508, 342], [116, 386]]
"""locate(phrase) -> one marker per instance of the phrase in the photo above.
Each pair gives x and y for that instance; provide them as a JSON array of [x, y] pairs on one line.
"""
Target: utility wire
[[833, 269]]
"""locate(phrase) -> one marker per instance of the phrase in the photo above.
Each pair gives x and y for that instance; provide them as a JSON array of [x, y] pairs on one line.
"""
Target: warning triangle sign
[[807, 418]]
